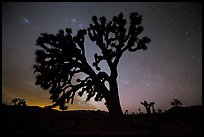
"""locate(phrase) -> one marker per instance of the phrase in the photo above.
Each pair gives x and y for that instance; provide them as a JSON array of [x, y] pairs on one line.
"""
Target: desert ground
[[33, 120]]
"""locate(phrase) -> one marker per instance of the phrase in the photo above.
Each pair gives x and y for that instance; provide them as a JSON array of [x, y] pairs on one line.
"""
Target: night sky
[[170, 68]]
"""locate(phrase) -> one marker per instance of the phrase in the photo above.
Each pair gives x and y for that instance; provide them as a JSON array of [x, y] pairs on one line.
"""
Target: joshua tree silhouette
[[18, 102], [139, 111], [126, 112], [148, 106], [151, 104], [176, 103], [63, 56]]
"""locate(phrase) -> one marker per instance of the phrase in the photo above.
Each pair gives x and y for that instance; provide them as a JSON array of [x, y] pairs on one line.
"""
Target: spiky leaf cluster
[[62, 56], [113, 39]]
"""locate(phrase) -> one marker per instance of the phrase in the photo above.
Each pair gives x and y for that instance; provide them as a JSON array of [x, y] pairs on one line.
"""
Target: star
[[147, 84], [26, 20], [73, 20]]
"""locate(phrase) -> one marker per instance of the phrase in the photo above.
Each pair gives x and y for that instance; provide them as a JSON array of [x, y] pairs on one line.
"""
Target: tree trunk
[[112, 100]]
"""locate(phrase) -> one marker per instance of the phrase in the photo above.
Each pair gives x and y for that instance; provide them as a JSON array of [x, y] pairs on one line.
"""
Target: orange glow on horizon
[[71, 107]]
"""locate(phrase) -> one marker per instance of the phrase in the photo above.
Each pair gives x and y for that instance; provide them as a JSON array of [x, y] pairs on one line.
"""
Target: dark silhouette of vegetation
[[148, 107], [139, 111], [31, 120], [176, 103], [18, 102], [126, 112], [159, 110], [151, 104], [63, 57]]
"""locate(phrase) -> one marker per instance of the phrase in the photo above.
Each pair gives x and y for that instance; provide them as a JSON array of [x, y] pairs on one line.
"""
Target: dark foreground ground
[[41, 121]]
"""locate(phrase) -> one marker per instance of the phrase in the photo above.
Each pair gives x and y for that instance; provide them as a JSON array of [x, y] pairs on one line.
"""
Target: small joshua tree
[[147, 107], [151, 104], [176, 103], [18, 102], [126, 112], [139, 111]]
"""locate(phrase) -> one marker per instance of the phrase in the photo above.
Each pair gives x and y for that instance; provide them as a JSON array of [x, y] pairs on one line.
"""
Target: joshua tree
[[176, 103], [151, 104], [126, 112], [139, 111], [18, 102], [63, 57], [14, 101], [147, 106]]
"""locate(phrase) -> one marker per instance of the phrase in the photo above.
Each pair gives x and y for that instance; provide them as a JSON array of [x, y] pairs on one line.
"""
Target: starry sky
[[170, 68]]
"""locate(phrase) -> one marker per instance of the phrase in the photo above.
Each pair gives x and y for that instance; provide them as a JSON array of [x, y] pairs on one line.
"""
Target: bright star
[[73, 20], [26, 20]]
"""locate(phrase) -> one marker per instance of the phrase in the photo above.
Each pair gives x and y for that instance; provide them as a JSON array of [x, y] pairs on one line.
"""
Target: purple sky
[[170, 68]]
